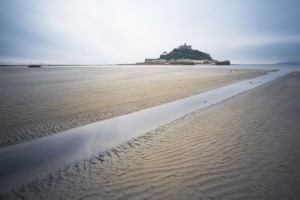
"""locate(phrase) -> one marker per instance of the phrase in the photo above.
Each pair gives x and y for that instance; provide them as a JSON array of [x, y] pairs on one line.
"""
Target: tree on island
[[185, 53]]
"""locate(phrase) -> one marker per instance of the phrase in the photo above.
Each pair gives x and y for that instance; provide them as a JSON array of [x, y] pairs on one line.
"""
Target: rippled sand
[[247, 147], [39, 102]]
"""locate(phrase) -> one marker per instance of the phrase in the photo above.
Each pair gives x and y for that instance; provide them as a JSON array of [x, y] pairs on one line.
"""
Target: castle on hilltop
[[184, 55], [185, 46]]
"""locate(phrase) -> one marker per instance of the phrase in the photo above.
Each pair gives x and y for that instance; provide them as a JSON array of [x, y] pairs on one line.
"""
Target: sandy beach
[[149, 100], [40, 102], [246, 147]]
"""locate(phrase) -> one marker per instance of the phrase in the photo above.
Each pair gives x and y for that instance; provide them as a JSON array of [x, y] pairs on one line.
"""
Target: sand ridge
[[246, 147], [39, 102]]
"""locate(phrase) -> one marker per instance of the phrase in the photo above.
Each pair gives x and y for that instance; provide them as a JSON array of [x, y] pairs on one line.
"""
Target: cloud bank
[[127, 31]]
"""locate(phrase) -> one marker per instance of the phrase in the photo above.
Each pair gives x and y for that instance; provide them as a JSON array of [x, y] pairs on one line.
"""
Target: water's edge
[[23, 162]]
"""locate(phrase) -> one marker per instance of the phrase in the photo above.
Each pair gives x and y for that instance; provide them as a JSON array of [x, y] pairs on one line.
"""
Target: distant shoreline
[[287, 63]]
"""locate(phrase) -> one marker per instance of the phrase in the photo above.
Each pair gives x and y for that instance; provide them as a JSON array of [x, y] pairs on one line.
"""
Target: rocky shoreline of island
[[183, 55], [183, 62]]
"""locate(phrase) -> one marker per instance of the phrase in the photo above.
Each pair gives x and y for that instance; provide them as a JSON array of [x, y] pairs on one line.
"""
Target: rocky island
[[34, 66], [184, 55]]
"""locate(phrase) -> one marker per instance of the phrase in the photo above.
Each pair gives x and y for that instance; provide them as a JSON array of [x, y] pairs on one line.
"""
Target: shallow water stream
[[23, 162]]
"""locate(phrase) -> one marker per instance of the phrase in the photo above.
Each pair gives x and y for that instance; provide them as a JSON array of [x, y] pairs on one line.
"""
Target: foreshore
[[246, 147], [40, 102]]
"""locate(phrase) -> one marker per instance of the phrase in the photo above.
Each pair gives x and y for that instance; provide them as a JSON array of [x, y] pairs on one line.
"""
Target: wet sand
[[38, 102], [247, 147]]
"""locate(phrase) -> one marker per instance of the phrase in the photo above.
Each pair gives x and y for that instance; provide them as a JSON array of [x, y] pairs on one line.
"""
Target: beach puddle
[[23, 162]]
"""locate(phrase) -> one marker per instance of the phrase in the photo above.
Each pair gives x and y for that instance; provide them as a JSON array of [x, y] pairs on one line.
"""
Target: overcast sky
[[127, 31]]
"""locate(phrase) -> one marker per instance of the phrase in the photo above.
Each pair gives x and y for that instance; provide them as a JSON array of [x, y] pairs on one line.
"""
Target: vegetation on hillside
[[180, 53]]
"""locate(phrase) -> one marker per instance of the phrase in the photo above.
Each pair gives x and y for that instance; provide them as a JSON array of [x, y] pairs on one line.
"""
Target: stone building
[[185, 46], [154, 61]]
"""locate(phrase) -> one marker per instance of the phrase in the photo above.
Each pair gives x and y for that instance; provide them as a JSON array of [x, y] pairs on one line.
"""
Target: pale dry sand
[[247, 147], [38, 102]]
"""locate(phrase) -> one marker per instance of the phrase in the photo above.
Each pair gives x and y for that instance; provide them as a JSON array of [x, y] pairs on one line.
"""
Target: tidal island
[[183, 55]]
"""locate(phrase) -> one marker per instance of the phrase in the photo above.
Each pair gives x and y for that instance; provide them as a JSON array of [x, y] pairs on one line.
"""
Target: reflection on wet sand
[[42, 156]]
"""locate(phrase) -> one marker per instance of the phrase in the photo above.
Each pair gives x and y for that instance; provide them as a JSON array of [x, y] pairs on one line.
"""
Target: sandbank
[[246, 147], [40, 102]]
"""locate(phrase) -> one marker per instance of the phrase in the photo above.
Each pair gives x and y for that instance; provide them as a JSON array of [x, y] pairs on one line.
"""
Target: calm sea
[[240, 66]]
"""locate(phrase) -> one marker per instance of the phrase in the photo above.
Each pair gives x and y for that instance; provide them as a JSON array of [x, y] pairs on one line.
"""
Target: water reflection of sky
[[41, 156]]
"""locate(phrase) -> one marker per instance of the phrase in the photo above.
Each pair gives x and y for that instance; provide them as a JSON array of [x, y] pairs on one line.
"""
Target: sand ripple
[[38, 102], [247, 147]]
